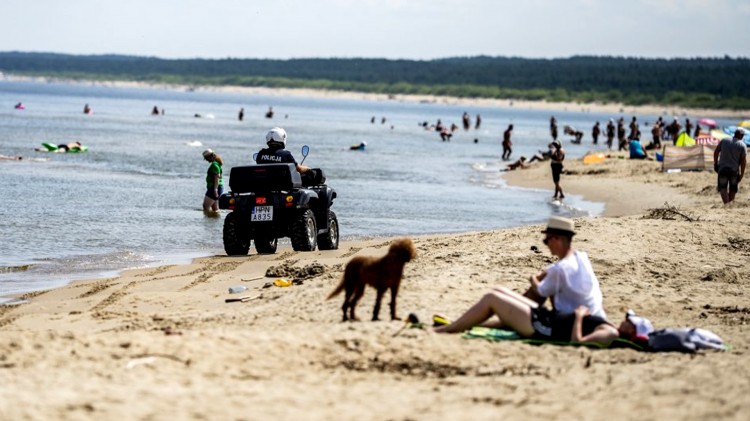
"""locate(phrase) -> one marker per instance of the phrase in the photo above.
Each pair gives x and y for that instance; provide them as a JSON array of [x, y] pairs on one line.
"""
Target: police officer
[[275, 152]]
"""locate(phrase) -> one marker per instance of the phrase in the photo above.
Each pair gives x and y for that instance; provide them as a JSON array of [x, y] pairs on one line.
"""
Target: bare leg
[[207, 203], [513, 313]]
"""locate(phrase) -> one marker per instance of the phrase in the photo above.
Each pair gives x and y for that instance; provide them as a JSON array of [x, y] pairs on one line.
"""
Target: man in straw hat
[[570, 283]]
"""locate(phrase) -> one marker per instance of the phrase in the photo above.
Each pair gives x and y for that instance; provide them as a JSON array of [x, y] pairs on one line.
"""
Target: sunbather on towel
[[570, 282]]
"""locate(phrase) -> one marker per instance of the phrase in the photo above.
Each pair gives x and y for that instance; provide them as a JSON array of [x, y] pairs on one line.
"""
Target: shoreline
[[605, 183], [612, 108]]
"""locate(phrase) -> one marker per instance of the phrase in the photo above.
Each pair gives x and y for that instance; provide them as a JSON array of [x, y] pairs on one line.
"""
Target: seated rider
[[276, 153]]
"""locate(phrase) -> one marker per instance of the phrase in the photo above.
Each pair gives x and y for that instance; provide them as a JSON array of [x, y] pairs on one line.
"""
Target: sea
[[133, 200]]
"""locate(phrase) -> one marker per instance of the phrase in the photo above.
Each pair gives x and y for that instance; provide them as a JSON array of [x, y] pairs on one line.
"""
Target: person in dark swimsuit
[[557, 156]]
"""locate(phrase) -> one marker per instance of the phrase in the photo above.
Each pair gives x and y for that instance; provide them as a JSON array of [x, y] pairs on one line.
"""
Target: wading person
[[557, 155], [214, 183]]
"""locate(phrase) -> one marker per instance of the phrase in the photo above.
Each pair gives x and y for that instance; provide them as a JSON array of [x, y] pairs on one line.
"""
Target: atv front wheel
[[329, 240], [265, 245], [236, 240], [304, 233]]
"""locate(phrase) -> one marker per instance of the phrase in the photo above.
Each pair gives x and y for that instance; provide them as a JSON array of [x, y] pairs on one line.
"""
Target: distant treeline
[[697, 82]]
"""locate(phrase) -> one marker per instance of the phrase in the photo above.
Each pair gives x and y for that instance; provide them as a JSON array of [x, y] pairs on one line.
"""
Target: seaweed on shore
[[287, 270], [9, 269], [669, 212]]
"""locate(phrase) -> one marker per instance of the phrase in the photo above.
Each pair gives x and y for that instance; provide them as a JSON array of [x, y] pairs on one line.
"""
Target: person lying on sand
[[570, 282], [572, 328], [519, 163]]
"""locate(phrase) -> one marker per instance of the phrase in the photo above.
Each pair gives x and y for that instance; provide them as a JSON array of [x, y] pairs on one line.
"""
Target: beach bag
[[684, 340]]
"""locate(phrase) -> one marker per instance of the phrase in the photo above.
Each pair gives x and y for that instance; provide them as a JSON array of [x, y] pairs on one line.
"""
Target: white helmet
[[277, 136]]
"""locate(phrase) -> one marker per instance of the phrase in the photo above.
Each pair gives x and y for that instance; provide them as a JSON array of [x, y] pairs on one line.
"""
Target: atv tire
[[265, 245], [304, 232], [329, 240], [236, 238]]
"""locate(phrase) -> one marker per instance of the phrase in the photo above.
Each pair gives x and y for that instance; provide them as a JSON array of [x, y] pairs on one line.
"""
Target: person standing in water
[[610, 133], [557, 155], [507, 144], [553, 128], [214, 183], [595, 132]]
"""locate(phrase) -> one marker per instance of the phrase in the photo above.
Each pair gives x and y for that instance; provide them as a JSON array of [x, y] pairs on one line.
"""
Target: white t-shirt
[[572, 283]]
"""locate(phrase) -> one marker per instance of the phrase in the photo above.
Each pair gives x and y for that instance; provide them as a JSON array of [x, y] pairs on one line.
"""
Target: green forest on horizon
[[720, 83]]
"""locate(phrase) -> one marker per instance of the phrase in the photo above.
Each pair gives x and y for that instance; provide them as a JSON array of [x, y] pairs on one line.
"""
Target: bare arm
[[535, 280], [302, 168], [216, 186], [603, 334], [743, 163], [716, 154]]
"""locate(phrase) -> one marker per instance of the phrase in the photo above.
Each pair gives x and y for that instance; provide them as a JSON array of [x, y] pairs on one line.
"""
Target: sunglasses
[[547, 238]]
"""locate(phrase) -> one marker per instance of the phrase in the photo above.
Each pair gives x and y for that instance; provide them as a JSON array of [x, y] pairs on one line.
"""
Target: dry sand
[[161, 343]]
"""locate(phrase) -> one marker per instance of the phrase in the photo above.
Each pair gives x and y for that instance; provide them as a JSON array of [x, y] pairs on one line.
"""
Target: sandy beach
[[162, 343]]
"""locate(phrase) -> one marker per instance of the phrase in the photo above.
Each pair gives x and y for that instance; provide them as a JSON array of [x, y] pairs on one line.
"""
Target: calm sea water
[[134, 199]]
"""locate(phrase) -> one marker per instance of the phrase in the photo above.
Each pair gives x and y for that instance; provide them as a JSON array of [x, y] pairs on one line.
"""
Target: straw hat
[[560, 225]]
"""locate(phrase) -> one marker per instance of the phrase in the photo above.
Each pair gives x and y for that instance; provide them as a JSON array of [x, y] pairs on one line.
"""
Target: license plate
[[262, 213]]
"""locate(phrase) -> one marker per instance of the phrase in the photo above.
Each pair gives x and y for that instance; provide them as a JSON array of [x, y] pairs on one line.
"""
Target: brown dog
[[381, 272]]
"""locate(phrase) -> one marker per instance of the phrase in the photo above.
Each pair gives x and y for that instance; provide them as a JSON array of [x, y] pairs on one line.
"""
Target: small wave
[[194, 143]]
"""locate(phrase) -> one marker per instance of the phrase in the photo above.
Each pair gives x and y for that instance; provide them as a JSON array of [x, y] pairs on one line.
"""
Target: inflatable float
[[51, 147], [20, 106], [594, 158], [359, 147]]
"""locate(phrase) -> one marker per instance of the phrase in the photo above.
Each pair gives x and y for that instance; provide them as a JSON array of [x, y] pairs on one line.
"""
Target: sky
[[393, 29]]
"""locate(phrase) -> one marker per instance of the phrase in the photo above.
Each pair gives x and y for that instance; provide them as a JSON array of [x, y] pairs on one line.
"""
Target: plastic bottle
[[237, 289]]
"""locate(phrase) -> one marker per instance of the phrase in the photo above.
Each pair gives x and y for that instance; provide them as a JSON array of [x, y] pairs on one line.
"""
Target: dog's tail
[[336, 291]]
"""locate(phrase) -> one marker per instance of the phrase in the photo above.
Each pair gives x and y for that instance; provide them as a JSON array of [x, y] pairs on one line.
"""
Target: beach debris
[[243, 299], [257, 278], [20, 268], [287, 270], [282, 283], [738, 244], [169, 331], [237, 289], [148, 359], [669, 212]]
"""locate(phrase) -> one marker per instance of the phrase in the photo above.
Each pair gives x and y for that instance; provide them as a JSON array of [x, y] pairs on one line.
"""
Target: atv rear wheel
[[236, 238], [304, 234], [265, 245], [329, 240]]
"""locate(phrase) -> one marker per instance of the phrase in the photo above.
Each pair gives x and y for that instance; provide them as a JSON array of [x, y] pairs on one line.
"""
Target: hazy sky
[[414, 29]]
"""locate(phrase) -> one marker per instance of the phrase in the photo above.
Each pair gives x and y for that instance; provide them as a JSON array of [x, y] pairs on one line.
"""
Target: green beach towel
[[495, 334]]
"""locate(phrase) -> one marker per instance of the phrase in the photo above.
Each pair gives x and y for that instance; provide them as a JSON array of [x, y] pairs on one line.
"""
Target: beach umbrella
[[707, 122], [744, 124]]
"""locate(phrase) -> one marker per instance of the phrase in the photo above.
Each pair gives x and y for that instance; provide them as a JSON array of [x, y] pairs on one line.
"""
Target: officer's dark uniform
[[275, 156]]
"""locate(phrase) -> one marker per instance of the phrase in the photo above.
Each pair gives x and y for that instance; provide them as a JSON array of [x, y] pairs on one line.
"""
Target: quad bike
[[272, 201]]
